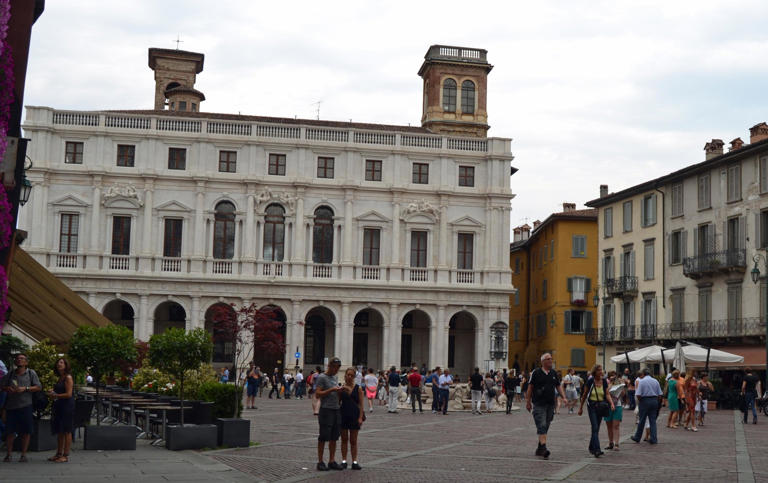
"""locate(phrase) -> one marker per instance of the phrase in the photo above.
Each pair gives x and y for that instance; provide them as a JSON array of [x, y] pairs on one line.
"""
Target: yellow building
[[554, 269]]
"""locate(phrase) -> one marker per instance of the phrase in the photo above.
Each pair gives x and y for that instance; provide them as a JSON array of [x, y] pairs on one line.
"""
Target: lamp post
[[755, 273], [596, 301]]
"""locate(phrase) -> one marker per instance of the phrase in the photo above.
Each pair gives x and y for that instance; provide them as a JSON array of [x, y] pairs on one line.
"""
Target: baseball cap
[[335, 360]]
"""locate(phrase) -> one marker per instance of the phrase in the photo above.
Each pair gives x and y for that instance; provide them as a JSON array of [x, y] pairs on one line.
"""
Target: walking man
[[540, 398], [434, 378], [393, 389], [750, 389], [414, 387], [445, 382], [329, 416], [476, 388], [648, 394]]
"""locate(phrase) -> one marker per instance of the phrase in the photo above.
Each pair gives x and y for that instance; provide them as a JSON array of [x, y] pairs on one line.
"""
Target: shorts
[[701, 407], [571, 394], [253, 389], [542, 416], [330, 424], [615, 415], [19, 420]]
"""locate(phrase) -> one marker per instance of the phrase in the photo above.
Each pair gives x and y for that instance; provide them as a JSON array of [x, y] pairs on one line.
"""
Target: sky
[[591, 92]]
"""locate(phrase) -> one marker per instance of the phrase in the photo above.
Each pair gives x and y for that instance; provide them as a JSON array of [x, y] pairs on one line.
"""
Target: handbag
[[601, 408]]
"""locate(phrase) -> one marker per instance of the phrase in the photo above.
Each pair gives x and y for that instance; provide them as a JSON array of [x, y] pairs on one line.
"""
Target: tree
[[176, 351], [42, 359], [100, 351], [249, 329], [10, 345]]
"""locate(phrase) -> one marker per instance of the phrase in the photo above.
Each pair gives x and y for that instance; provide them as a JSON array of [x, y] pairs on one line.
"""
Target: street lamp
[[596, 301], [755, 273], [26, 189]]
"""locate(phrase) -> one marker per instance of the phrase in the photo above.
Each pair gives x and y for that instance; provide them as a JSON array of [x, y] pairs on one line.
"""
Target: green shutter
[[570, 284], [587, 286], [567, 321]]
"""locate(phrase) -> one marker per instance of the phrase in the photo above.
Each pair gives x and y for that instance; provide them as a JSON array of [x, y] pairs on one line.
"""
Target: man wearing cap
[[329, 416], [648, 394]]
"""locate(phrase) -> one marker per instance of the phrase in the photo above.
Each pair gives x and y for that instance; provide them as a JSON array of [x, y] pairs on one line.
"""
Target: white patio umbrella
[[678, 361], [638, 355], [697, 353]]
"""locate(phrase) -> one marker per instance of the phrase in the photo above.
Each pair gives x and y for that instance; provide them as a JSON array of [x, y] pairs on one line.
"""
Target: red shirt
[[414, 379]]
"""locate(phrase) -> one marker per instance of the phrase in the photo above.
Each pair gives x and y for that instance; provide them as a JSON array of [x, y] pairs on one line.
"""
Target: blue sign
[[297, 355]]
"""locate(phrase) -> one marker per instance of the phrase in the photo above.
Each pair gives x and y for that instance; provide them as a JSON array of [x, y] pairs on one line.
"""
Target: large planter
[[110, 437], [190, 436], [233, 432], [41, 440], [203, 412]]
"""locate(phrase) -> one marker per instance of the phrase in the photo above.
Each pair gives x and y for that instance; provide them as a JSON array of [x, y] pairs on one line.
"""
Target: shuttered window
[[648, 261], [579, 246], [705, 192], [627, 208], [648, 210], [764, 174], [734, 182], [68, 236], [578, 358], [677, 199], [705, 304], [608, 223]]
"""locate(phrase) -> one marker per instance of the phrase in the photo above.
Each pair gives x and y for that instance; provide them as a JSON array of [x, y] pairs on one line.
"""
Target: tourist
[[518, 389], [673, 401], [414, 388], [648, 395], [223, 375], [352, 417], [252, 383], [680, 398], [510, 386], [705, 391], [691, 388], [597, 395], [63, 414], [299, 378], [434, 379], [287, 383], [630, 383], [329, 417], [393, 389], [359, 376], [524, 387], [381, 395], [571, 395], [262, 382], [445, 382], [315, 399], [750, 387], [476, 390], [423, 370], [490, 392], [274, 380], [616, 387], [19, 384], [540, 400]]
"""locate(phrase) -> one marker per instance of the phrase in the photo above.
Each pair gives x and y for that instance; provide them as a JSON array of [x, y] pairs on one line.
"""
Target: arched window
[[449, 95], [224, 231], [274, 233], [322, 236], [468, 97]]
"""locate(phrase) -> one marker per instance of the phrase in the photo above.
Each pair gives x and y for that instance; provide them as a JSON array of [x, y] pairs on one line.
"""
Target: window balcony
[[463, 276], [418, 275], [119, 262], [714, 329], [322, 270], [715, 262], [627, 332], [170, 264], [370, 272], [624, 286], [600, 335], [273, 269], [220, 267], [67, 260]]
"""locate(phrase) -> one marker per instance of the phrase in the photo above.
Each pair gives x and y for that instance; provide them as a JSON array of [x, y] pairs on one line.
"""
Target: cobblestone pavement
[[464, 447]]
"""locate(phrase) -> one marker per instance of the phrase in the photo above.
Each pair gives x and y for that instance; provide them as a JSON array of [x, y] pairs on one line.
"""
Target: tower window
[[468, 97], [449, 95], [182, 105]]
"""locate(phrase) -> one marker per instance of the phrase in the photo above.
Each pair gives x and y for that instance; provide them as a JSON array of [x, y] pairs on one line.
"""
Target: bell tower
[[175, 73], [455, 91]]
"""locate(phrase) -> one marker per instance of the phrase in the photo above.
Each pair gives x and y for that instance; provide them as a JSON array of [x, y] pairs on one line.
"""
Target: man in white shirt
[[444, 383], [299, 384]]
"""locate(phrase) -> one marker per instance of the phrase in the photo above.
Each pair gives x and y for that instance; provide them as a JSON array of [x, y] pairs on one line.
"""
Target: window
[[676, 247], [609, 317], [177, 158], [541, 325], [544, 289], [704, 239], [627, 207], [371, 246], [648, 310], [578, 358], [735, 234], [325, 167], [678, 309], [420, 173], [68, 233], [172, 237], [705, 192], [227, 161], [274, 233], [627, 267], [517, 297], [322, 236], [517, 265], [579, 246], [466, 176], [734, 302], [677, 199], [276, 165], [465, 251], [224, 231], [449, 95], [648, 261], [516, 330], [761, 227], [125, 155], [705, 304], [182, 105], [576, 321], [764, 174], [73, 153], [468, 97], [628, 319], [734, 182], [121, 235], [372, 170], [194, 107], [552, 250], [419, 249], [608, 223], [608, 270], [579, 287], [648, 210]]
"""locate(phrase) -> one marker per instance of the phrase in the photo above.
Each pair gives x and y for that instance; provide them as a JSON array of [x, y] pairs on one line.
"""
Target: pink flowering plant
[[6, 100]]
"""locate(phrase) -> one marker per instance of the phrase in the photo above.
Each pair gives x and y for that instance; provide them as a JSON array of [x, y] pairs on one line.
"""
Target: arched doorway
[[223, 349], [319, 331], [367, 339], [268, 361], [414, 342], [461, 344], [119, 312], [169, 314]]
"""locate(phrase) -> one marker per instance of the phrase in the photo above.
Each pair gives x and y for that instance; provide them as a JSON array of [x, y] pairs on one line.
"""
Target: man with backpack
[[19, 385], [540, 400]]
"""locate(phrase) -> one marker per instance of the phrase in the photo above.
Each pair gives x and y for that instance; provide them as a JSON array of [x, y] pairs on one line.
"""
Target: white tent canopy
[[640, 355], [697, 353]]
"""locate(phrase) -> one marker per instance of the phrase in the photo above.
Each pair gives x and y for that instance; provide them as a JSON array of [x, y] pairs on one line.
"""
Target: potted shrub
[[101, 350], [175, 352]]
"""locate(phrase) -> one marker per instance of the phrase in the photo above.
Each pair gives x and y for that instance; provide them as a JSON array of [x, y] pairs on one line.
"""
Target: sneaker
[[356, 466], [335, 466], [321, 467]]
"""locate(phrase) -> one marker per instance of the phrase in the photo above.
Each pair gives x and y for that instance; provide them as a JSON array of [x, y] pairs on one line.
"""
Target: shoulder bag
[[601, 408]]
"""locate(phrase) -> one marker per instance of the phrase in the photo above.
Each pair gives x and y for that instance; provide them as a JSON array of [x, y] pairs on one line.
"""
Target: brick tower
[[175, 72], [455, 91]]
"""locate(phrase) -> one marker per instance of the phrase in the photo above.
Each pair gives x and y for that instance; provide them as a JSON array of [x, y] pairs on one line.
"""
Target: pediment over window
[[174, 206], [466, 221], [121, 196], [373, 216], [420, 211], [71, 200]]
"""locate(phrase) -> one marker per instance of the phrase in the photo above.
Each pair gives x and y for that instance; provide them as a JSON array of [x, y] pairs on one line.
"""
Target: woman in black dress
[[352, 417], [63, 411]]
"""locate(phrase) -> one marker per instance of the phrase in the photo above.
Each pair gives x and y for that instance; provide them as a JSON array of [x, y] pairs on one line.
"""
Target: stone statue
[[121, 191], [287, 200], [420, 207]]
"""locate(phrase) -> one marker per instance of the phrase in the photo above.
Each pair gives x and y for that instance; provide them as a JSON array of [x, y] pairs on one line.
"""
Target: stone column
[[346, 256], [435, 339], [443, 332], [289, 348], [298, 334], [94, 249], [297, 260], [196, 319], [482, 335], [198, 253], [396, 263], [443, 243], [395, 334], [142, 328], [338, 341], [489, 245], [347, 328], [145, 260], [248, 249]]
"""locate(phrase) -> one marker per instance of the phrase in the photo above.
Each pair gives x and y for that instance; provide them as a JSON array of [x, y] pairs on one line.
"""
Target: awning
[[754, 357], [42, 305]]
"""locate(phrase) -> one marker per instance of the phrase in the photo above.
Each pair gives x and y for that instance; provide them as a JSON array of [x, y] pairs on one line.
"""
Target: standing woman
[[691, 388], [62, 421], [596, 392], [352, 414], [672, 399], [613, 420], [490, 392], [371, 387]]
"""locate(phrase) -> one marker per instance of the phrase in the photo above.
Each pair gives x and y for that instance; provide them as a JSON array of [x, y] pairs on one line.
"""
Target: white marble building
[[384, 245]]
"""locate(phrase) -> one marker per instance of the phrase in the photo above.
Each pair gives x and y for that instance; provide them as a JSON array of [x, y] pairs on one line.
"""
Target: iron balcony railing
[[626, 285], [709, 263], [708, 329], [600, 335]]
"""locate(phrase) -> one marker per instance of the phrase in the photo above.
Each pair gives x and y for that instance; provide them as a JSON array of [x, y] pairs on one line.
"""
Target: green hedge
[[223, 398]]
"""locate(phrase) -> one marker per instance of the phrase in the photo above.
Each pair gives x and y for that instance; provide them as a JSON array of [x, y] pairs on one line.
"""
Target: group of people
[[688, 396], [287, 385]]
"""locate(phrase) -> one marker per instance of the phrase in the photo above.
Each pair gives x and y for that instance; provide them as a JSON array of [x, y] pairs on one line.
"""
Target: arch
[[172, 85], [274, 233], [462, 333], [319, 331], [368, 338], [268, 361], [449, 95], [120, 312], [499, 340], [223, 349], [224, 230], [169, 314], [467, 97], [322, 235], [414, 341]]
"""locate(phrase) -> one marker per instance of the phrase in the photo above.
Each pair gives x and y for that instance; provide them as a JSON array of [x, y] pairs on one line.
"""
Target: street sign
[[297, 355]]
